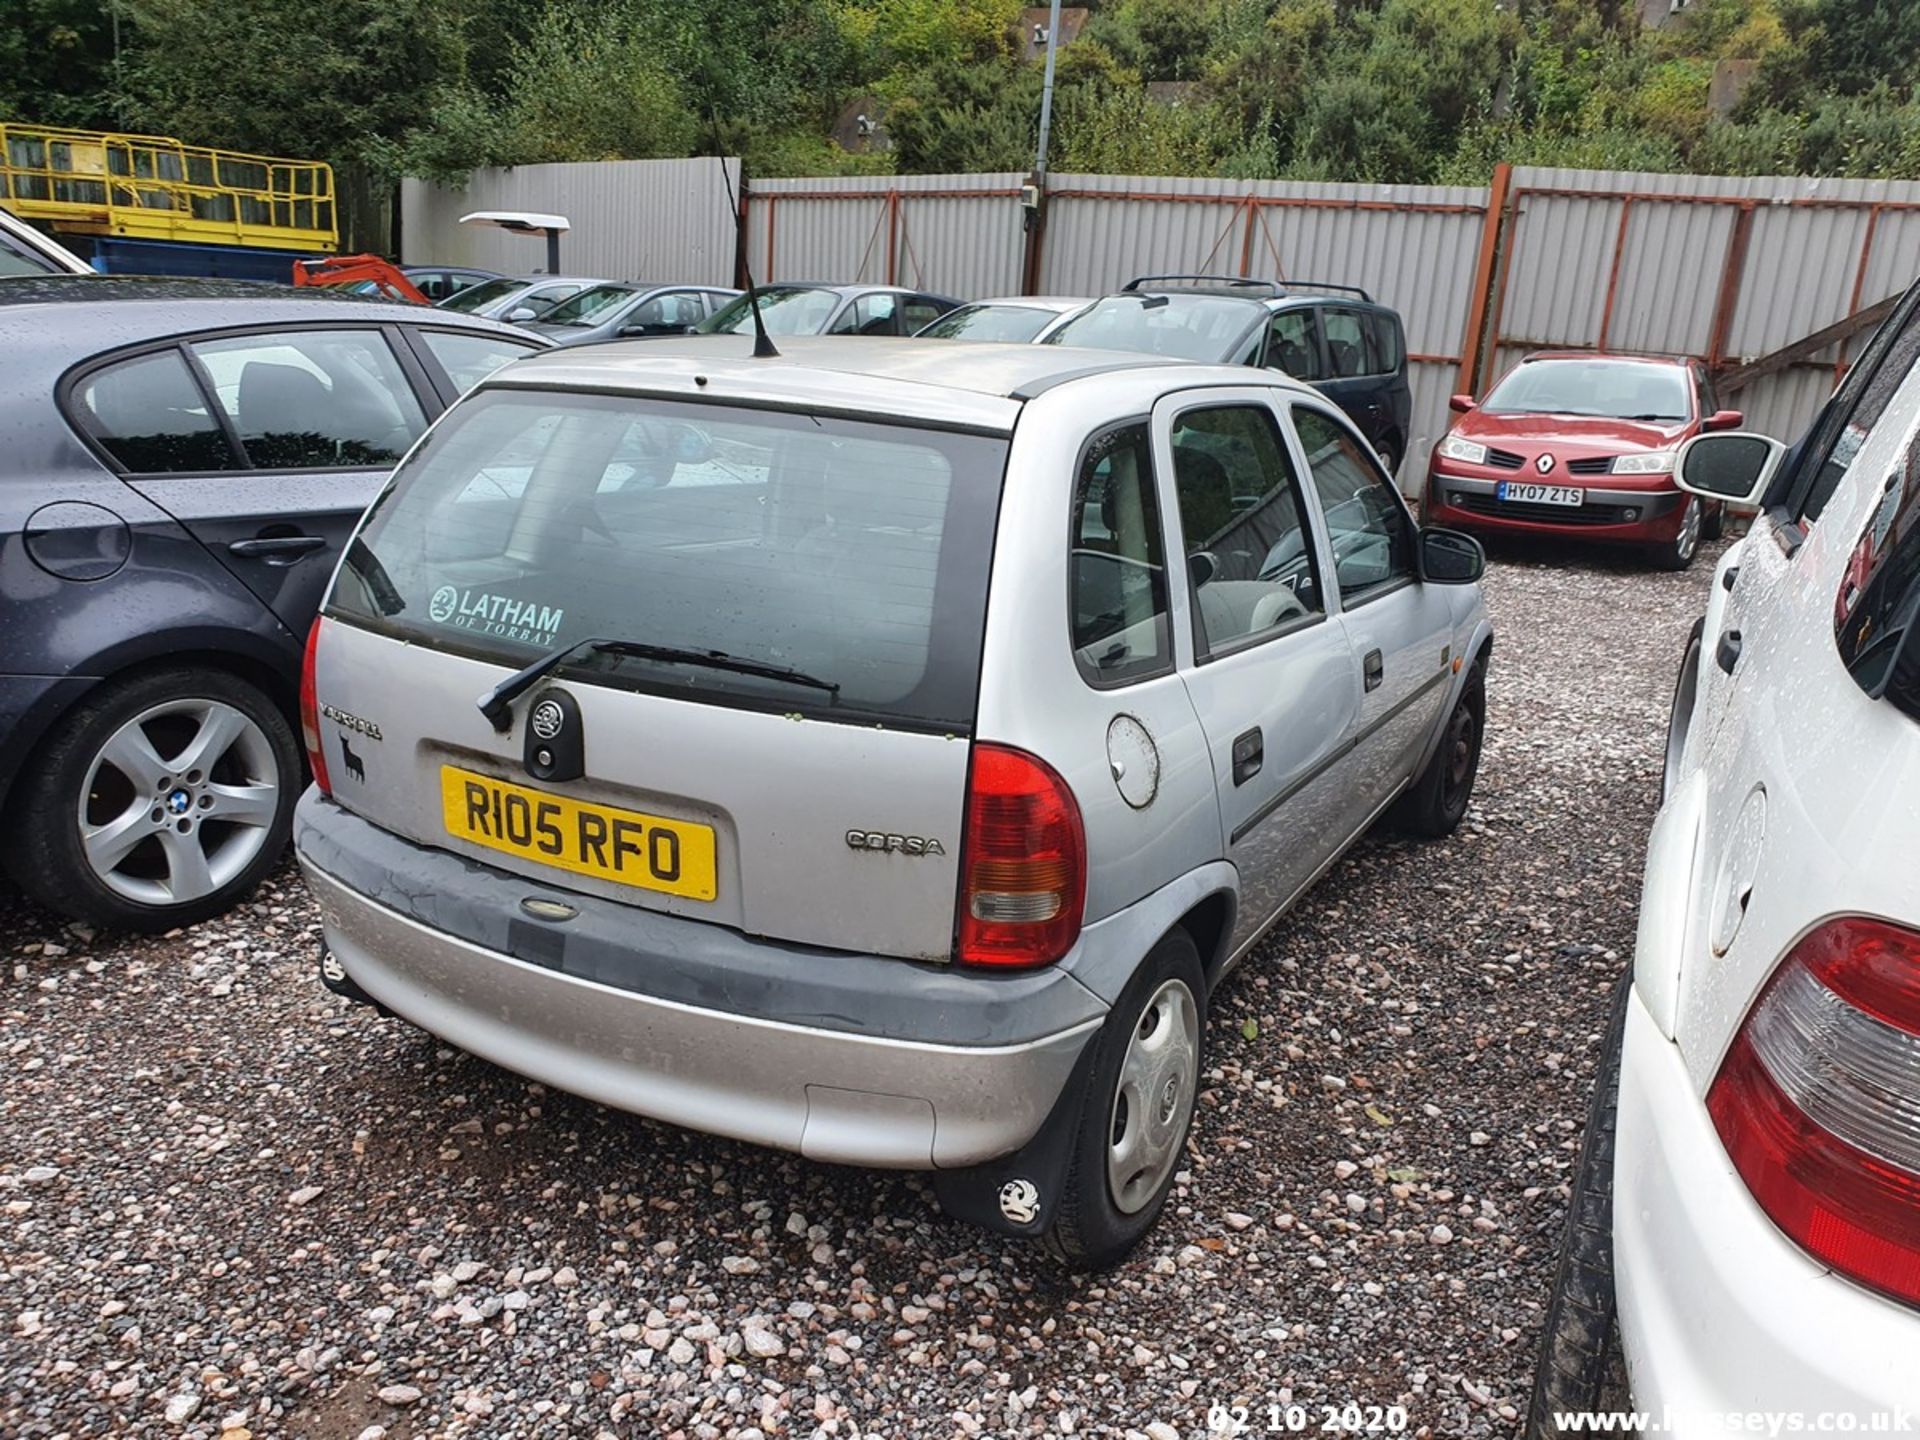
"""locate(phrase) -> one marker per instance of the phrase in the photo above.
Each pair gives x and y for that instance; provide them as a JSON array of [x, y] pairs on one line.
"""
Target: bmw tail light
[[1818, 1101], [1023, 863], [310, 713]]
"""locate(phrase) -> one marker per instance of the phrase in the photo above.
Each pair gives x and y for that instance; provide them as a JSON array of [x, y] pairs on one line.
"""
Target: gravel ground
[[233, 1205]]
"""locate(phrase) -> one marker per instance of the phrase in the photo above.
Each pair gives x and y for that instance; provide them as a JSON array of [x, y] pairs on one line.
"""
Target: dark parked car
[[436, 282], [616, 310], [801, 309], [1337, 338], [184, 462]]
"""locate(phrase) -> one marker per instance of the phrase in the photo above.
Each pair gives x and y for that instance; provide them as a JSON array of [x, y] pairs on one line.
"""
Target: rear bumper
[[853, 1062], [1719, 1312], [1466, 503]]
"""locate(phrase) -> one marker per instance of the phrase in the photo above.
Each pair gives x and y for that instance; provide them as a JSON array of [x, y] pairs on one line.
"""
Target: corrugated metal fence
[[631, 219], [1758, 276], [956, 234]]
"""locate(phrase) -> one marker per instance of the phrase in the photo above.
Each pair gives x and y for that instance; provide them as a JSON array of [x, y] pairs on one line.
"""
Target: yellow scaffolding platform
[[149, 187]]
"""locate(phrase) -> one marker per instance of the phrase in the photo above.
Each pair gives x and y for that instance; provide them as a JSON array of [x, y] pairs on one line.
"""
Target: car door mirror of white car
[[1735, 465], [523, 312], [1447, 557]]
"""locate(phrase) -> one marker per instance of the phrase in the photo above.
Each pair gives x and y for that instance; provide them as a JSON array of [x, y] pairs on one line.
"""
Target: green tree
[[56, 63], [291, 77]]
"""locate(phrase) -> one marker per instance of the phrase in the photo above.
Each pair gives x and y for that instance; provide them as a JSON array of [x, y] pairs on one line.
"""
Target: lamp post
[[1046, 92]]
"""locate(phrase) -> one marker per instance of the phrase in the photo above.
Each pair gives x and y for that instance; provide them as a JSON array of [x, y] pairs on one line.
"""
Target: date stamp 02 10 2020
[[1352, 1418]]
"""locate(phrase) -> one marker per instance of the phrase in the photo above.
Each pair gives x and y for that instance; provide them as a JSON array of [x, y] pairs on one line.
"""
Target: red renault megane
[[1581, 444]]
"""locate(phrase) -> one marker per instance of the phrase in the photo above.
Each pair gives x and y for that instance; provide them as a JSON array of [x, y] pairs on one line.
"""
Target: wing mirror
[[1202, 567], [1723, 420], [1447, 557], [522, 313], [1736, 466], [1461, 404]]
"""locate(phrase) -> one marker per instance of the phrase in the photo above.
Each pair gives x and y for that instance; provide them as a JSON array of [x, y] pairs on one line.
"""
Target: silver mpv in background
[[821, 750]]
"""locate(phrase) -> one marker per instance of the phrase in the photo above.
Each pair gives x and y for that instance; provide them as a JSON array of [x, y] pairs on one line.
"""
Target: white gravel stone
[[183, 1407]]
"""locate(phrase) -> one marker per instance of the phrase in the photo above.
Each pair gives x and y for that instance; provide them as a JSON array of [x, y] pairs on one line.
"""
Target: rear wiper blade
[[497, 703]]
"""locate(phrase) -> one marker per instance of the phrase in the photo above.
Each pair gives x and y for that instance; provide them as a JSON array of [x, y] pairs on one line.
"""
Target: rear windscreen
[[852, 553]]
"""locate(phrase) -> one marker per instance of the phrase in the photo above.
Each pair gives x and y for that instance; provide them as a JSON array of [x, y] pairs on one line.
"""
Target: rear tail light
[[1818, 1101], [310, 713], [1023, 863]]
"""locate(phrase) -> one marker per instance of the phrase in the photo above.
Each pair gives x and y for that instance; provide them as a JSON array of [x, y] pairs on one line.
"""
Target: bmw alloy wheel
[[178, 802], [1157, 1081]]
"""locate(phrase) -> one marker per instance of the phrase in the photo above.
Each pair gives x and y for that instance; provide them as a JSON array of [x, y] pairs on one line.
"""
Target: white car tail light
[[1818, 1101]]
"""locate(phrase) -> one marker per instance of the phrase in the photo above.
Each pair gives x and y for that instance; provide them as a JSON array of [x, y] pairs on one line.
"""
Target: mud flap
[[1018, 1193], [334, 976]]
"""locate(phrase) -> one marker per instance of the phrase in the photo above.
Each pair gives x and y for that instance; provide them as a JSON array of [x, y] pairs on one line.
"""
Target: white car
[[1748, 1201], [1017, 319], [25, 251]]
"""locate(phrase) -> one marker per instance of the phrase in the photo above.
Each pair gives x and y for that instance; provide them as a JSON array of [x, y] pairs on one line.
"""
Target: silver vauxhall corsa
[[821, 750]]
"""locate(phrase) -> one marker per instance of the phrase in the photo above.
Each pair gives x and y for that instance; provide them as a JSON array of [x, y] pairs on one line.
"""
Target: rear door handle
[[1248, 751], [1726, 654], [1374, 667], [272, 547]]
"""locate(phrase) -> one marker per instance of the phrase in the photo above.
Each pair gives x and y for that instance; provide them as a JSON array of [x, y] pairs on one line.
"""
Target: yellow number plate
[[623, 846]]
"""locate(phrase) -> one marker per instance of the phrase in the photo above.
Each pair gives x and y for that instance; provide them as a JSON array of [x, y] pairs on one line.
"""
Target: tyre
[[1579, 1352], [1686, 692], [1134, 1111], [1678, 553], [1437, 800], [160, 801]]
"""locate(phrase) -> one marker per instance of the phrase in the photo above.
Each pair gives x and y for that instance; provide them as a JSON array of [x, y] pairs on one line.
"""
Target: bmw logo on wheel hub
[[179, 802]]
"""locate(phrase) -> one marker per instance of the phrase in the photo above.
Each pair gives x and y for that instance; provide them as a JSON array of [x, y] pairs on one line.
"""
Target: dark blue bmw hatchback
[[181, 463]]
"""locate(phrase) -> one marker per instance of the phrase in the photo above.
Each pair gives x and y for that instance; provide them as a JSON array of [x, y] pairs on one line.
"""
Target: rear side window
[[1119, 567], [152, 417], [850, 552], [1349, 343], [1383, 333], [316, 399], [150, 414], [921, 310]]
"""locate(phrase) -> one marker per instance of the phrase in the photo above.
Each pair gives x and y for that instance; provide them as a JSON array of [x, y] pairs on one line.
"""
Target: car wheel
[[162, 800], [1437, 800], [1135, 1110], [1686, 691], [1579, 1351], [1390, 457], [1715, 523], [1678, 553]]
